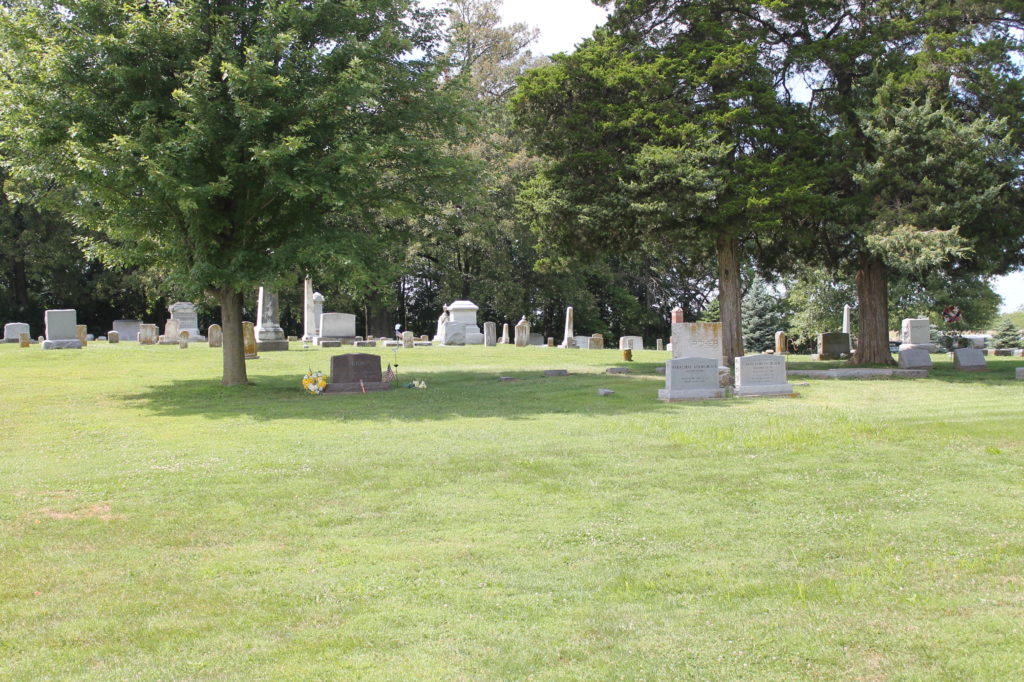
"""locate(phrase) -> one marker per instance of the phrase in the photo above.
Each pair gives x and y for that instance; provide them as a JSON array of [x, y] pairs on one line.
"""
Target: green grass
[[154, 525]]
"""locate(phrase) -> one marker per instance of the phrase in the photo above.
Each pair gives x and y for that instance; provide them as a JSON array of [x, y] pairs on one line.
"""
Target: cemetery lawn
[[154, 525]]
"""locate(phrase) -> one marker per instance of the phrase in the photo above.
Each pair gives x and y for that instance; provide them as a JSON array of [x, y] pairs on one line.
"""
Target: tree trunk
[[873, 313], [234, 350], [729, 297]]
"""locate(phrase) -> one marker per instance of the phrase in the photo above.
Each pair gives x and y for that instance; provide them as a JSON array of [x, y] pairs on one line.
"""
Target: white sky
[[564, 24]]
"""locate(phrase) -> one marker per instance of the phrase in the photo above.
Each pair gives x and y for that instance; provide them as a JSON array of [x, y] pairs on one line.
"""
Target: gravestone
[[249, 341], [617, 370], [356, 373], [128, 330], [113, 337], [308, 314], [504, 334], [781, 343], [24, 340], [580, 341], [188, 321], [762, 375], [183, 339], [490, 334], [633, 343], [536, 339], [464, 313], [692, 378], [659, 344], [969, 359], [916, 333], [568, 338], [14, 330], [171, 332], [915, 358], [832, 346], [61, 330], [215, 336], [269, 334], [336, 328], [522, 333], [595, 342], [846, 319], [551, 342], [697, 340], [451, 334], [1019, 374], [147, 334], [408, 340], [366, 343], [82, 334], [318, 310]]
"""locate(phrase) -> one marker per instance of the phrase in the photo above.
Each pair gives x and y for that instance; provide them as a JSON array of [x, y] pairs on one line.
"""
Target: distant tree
[[1007, 335], [763, 315]]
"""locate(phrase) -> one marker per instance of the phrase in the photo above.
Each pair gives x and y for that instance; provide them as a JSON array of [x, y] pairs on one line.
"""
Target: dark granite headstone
[[356, 373], [832, 346]]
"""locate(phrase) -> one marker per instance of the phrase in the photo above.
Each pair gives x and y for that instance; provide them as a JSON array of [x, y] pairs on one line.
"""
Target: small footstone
[[507, 379], [556, 372], [604, 391], [617, 370]]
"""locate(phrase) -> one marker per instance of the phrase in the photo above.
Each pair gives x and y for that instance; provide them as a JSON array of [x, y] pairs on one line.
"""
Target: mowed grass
[[154, 525]]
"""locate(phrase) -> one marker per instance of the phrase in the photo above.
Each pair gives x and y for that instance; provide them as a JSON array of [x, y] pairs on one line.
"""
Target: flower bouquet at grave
[[416, 384], [314, 382]]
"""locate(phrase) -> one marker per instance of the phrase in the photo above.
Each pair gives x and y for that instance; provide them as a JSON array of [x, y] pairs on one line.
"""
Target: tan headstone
[[781, 343], [147, 334], [113, 337], [215, 336], [183, 339], [24, 340], [551, 342], [80, 332], [249, 340]]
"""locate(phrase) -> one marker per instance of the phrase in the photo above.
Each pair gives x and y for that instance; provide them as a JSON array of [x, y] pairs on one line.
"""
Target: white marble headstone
[[61, 329], [761, 375], [14, 330], [691, 379], [698, 339]]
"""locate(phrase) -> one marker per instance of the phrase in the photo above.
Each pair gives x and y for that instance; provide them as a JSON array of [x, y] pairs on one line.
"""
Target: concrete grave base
[[767, 391], [668, 396], [271, 345], [61, 344]]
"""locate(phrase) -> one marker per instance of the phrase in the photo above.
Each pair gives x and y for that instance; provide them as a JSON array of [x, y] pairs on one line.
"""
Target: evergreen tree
[[1007, 335], [763, 315]]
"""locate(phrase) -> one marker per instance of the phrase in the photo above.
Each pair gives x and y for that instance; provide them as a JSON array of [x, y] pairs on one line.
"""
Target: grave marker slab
[[249, 341], [490, 334], [25, 340], [336, 327], [969, 360], [128, 330], [633, 343], [522, 333], [692, 378], [215, 336], [762, 375], [188, 321], [916, 333], [61, 329], [113, 337], [832, 346], [14, 330], [698, 340], [356, 373], [147, 334], [914, 358]]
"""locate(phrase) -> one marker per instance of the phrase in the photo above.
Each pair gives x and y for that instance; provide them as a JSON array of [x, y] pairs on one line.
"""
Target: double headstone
[[356, 373], [61, 329], [14, 330], [691, 379], [762, 375], [336, 329]]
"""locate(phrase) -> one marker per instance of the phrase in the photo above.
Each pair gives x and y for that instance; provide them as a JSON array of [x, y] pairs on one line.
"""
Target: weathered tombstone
[[697, 340], [14, 330], [171, 332], [408, 339], [915, 358], [366, 343], [568, 340], [627, 355], [490, 334], [536, 339], [762, 375], [916, 333], [249, 341], [969, 359], [634, 343], [464, 313], [24, 340], [335, 329], [215, 336], [147, 334], [308, 315], [832, 346], [188, 320], [580, 341], [659, 344], [113, 337], [551, 342], [846, 319], [781, 343], [356, 373], [318, 310], [61, 329], [691, 379], [522, 333], [595, 342], [82, 334], [269, 334], [183, 339], [127, 330], [504, 334]]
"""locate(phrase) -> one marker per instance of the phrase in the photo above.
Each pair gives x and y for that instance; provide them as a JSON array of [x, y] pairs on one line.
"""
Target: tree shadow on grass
[[449, 395]]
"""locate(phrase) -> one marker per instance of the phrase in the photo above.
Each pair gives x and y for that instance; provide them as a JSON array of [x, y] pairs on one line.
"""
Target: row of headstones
[[700, 378]]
